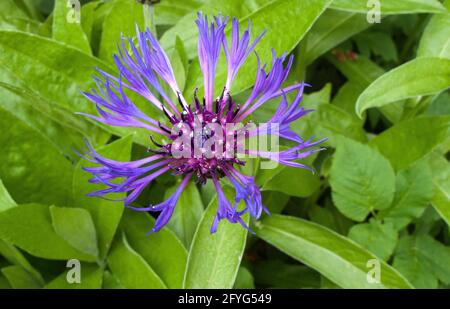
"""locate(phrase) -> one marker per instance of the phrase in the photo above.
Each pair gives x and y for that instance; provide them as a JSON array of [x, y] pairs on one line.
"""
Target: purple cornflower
[[189, 129]]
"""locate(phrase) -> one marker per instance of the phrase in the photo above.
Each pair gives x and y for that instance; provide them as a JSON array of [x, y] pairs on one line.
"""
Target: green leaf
[[378, 238], [110, 281], [361, 180], [362, 70], [330, 217], [407, 262], [332, 28], [179, 61], [292, 181], [419, 135], [58, 126], [436, 256], [6, 200], [19, 278], [326, 121], [87, 21], [440, 105], [285, 30], [48, 75], [278, 274], [32, 169], [214, 259], [105, 214], [435, 41], [30, 228], [75, 226], [122, 18], [346, 97], [91, 277], [130, 269], [187, 214], [15, 15], [274, 201], [11, 8], [47, 63], [361, 73], [4, 283], [414, 190], [336, 257], [441, 179], [244, 279], [380, 43], [14, 256], [168, 12], [331, 121], [67, 29], [162, 251], [390, 6], [421, 76], [423, 260]]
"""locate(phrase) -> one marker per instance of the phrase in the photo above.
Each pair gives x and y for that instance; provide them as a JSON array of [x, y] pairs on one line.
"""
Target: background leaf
[[286, 30], [214, 259], [75, 226], [30, 228], [91, 278], [435, 41], [414, 190], [361, 180], [105, 214], [391, 6], [420, 136], [187, 214], [422, 76], [162, 251], [130, 268], [336, 257], [380, 239], [66, 29], [126, 14], [332, 28], [6, 200], [26, 167]]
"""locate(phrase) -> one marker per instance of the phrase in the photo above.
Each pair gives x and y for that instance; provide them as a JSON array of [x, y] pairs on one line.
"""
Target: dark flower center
[[203, 141]]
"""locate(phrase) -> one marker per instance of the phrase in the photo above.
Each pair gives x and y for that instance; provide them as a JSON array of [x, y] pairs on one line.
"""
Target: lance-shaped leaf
[[336, 257], [214, 259], [419, 77], [435, 41]]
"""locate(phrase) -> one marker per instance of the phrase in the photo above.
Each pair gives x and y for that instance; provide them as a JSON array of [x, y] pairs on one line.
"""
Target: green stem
[[149, 17]]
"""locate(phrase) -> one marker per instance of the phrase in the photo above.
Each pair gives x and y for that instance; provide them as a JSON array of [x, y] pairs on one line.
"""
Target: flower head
[[206, 139]]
